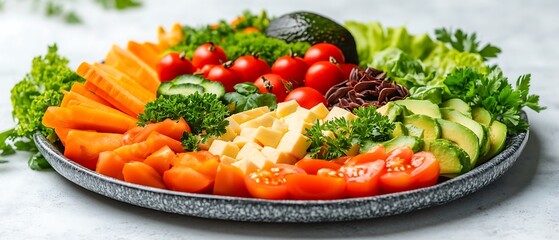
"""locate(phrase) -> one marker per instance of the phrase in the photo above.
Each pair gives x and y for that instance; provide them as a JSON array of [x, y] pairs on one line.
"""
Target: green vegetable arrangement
[[41, 88]]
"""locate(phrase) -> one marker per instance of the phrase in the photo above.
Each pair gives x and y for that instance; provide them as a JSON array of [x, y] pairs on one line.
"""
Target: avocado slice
[[424, 107], [452, 159], [478, 129], [458, 105], [482, 116], [393, 111], [399, 130], [313, 28], [462, 136], [414, 131], [414, 143], [497, 139], [431, 129]]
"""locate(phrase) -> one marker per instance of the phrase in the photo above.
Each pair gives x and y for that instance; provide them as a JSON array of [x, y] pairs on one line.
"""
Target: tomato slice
[[362, 179], [271, 183], [312, 166], [407, 171], [230, 181], [315, 187]]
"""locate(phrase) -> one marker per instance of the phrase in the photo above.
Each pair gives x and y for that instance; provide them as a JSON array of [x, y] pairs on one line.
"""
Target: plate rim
[[505, 159]]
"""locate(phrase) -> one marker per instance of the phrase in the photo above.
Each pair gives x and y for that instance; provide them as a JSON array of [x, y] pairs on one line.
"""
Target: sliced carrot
[[62, 133], [168, 127], [117, 90], [157, 140], [77, 99], [186, 179], [143, 52], [111, 100], [110, 164], [203, 162], [154, 47], [84, 147], [80, 89], [85, 118], [140, 151], [161, 159], [134, 87], [230, 181], [134, 67], [143, 174]]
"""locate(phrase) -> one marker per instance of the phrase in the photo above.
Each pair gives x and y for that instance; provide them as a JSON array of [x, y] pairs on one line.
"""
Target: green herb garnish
[[464, 42], [247, 96]]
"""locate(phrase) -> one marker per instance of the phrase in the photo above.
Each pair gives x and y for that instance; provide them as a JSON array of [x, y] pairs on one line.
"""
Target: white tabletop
[[523, 203]]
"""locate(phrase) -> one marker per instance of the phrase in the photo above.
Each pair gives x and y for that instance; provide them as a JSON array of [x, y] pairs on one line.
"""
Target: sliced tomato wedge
[[271, 183], [407, 171], [362, 179], [312, 166], [377, 153]]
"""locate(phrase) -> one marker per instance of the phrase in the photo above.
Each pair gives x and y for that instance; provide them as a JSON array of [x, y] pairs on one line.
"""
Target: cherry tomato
[[312, 166], [205, 70], [376, 153], [250, 67], [172, 65], [315, 187], [323, 75], [323, 52], [306, 97], [407, 171], [225, 75], [273, 83], [347, 68], [291, 68], [208, 53], [362, 179], [271, 183]]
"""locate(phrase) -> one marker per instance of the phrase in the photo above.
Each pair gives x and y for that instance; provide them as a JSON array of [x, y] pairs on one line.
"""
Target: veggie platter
[[293, 118]]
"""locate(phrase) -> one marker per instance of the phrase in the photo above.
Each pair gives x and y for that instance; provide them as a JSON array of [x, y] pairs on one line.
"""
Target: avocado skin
[[313, 28]]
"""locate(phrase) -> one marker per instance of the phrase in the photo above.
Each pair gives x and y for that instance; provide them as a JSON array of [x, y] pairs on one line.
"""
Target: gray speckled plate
[[257, 210]]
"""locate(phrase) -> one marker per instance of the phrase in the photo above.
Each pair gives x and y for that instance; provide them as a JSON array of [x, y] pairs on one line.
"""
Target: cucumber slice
[[188, 79], [182, 89], [163, 88], [214, 87]]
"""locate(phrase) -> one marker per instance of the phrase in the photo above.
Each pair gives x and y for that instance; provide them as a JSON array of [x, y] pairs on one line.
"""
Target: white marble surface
[[523, 204]]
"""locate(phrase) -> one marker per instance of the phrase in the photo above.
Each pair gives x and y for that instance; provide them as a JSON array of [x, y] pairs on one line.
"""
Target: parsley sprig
[[464, 42], [368, 126], [204, 113]]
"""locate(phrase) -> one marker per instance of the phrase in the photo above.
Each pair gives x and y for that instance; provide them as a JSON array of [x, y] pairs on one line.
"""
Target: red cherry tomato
[[347, 68], [306, 97], [225, 75], [291, 68], [273, 83], [315, 187], [323, 75], [271, 183], [407, 171], [250, 67], [323, 52], [172, 65], [208, 53], [205, 70], [312, 166], [362, 179]]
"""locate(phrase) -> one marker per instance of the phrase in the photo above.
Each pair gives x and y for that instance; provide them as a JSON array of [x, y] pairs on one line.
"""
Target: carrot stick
[[167, 127], [143, 174], [84, 147], [132, 66], [80, 89], [110, 164], [99, 92], [143, 52], [132, 86], [85, 118]]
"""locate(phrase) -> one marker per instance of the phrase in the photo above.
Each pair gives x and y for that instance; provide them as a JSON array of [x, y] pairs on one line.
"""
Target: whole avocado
[[313, 28]]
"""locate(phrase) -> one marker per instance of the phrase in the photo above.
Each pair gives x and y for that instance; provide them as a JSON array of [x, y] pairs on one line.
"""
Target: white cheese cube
[[267, 136], [285, 108], [265, 120], [337, 112], [240, 141], [276, 156], [248, 150], [246, 166], [320, 110], [220, 147], [296, 124], [280, 125], [227, 160], [229, 134], [234, 125], [305, 115], [294, 143], [249, 115]]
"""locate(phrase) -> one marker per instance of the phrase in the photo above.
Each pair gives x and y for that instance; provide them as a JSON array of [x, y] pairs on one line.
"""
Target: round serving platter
[[258, 210]]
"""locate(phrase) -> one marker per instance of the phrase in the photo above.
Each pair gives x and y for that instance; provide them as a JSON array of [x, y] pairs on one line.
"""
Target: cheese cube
[[254, 155], [285, 108], [206, 146], [220, 147], [280, 125], [296, 124], [249, 114], [267, 136], [229, 134], [248, 133], [320, 110], [246, 166], [240, 141], [248, 149], [276, 156], [265, 120], [227, 160], [234, 125], [337, 112], [305, 115], [294, 143]]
